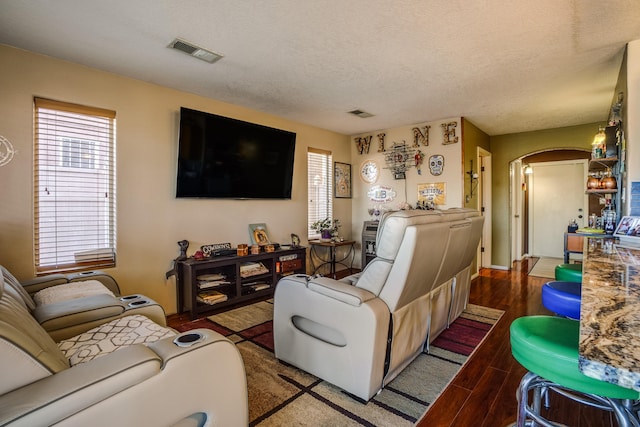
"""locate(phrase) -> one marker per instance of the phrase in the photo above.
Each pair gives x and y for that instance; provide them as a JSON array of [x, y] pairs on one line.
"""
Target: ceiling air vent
[[195, 51], [361, 114]]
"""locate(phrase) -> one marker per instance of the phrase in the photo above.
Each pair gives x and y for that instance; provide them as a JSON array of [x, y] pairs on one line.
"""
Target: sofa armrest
[[38, 283], [77, 312], [159, 384], [57, 396], [340, 291]]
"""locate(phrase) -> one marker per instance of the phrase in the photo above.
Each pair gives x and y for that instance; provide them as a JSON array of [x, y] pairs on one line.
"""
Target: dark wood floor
[[483, 392]]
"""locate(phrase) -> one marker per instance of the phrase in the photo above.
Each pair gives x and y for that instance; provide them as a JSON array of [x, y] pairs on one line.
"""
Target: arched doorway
[[521, 196]]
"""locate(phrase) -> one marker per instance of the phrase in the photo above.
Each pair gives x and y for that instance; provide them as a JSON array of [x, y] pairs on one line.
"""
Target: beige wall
[[505, 149], [472, 138], [406, 189], [150, 219]]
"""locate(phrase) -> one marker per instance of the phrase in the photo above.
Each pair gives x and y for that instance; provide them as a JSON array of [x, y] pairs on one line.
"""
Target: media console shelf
[[214, 284]]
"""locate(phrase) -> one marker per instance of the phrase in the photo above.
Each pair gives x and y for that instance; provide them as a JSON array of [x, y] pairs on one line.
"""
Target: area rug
[[545, 267], [280, 394]]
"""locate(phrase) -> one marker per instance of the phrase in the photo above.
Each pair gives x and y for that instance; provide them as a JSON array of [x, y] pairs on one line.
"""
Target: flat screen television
[[220, 157]]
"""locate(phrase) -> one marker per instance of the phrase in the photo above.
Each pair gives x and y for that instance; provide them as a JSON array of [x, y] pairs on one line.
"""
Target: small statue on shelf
[[184, 245]]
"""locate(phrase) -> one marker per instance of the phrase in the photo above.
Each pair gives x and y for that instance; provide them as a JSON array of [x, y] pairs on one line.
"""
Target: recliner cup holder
[[129, 298], [188, 339], [138, 303]]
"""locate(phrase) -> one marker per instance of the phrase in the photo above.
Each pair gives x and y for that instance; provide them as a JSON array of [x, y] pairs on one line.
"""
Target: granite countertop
[[609, 347]]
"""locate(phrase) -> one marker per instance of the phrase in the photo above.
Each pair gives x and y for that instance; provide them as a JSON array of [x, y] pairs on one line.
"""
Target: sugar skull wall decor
[[436, 164]]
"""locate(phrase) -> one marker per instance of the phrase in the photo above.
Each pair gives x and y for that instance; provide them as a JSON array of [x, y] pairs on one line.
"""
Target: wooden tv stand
[[193, 276]]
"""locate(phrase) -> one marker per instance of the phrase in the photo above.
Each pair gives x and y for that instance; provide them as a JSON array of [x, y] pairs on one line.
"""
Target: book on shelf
[[249, 269], [256, 285], [211, 277], [211, 297], [212, 284], [206, 281]]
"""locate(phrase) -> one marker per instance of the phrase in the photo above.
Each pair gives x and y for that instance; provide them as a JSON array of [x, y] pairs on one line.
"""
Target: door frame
[[483, 159], [516, 211]]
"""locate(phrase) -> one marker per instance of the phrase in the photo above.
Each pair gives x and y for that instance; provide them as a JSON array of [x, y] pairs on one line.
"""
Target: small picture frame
[[295, 240], [258, 234], [342, 180]]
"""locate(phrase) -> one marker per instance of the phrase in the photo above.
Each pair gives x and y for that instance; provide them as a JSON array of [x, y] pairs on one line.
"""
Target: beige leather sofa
[[67, 305], [360, 332], [127, 372]]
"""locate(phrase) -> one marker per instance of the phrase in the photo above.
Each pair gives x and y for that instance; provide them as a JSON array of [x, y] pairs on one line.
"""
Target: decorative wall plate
[[369, 171], [381, 194]]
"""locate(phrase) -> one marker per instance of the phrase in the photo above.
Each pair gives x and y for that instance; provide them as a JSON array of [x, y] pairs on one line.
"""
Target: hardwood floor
[[483, 394]]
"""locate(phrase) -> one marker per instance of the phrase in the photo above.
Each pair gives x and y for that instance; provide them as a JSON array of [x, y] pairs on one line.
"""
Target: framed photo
[[434, 193], [258, 234], [342, 180]]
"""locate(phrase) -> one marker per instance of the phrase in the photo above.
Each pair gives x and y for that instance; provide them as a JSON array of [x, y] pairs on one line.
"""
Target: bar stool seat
[[569, 273], [547, 346], [562, 298]]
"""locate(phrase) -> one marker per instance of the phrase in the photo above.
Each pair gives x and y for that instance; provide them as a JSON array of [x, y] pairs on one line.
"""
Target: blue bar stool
[[569, 273], [562, 298], [547, 346]]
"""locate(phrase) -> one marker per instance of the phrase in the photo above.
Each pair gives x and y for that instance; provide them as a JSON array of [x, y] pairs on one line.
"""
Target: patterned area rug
[[280, 394]]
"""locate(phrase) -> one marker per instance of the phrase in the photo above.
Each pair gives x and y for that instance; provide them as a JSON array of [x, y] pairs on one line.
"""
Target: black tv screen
[[220, 157]]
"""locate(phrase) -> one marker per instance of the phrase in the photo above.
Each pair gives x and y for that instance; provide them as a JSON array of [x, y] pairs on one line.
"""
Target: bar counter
[[609, 347]]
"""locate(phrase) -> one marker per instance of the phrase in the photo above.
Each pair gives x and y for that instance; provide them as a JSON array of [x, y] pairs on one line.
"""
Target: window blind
[[319, 185], [74, 187]]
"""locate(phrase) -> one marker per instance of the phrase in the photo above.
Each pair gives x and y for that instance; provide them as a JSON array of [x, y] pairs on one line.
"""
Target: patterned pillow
[[119, 333]]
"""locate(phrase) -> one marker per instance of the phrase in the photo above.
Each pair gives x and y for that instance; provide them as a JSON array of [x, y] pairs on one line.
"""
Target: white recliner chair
[[127, 372], [360, 332], [67, 305]]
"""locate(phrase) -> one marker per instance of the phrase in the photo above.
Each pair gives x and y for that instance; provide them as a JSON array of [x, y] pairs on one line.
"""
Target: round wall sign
[[369, 171]]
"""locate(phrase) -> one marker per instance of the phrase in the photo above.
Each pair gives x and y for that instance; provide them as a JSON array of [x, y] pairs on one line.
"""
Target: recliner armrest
[[340, 291], [78, 311], [55, 397], [158, 384], [38, 283]]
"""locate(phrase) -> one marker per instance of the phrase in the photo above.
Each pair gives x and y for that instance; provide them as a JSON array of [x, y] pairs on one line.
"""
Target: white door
[[556, 196]]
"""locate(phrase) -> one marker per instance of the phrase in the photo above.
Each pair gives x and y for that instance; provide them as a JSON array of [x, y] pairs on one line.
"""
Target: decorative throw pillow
[[105, 339]]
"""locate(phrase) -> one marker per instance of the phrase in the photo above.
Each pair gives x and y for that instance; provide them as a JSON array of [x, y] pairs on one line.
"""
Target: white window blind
[[74, 187], [319, 181]]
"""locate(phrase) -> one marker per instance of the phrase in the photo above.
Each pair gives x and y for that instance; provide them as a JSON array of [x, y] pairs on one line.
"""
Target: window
[[74, 187], [319, 185]]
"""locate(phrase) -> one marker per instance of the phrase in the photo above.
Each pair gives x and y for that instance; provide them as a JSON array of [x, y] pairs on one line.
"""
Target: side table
[[331, 259]]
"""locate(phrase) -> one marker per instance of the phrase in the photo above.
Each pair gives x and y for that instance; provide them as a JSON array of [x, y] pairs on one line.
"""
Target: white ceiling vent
[[195, 51], [361, 114]]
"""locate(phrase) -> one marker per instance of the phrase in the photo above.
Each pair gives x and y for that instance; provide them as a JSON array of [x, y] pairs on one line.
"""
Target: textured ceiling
[[507, 66]]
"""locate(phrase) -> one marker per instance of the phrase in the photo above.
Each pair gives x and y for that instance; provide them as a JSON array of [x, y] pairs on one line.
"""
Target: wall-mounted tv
[[220, 157]]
